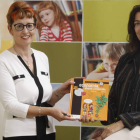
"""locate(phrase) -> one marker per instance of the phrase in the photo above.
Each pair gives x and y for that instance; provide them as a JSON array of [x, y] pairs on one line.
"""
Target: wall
[[103, 21]]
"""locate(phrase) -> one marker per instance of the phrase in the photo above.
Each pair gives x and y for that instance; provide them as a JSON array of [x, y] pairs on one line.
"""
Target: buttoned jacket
[[20, 88]]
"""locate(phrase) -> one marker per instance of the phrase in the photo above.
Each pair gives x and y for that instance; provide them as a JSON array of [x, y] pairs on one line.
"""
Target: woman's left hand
[[65, 87], [85, 119], [112, 129]]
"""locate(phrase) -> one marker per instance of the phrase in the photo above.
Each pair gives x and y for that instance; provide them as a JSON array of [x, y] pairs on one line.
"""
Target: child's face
[[110, 65], [47, 17], [90, 106], [85, 105]]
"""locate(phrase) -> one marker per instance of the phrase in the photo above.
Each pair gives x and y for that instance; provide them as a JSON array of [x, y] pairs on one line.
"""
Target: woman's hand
[[60, 92], [85, 119], [65, 87], [112, 129], [110, 79], [99, 138], [59, 114]]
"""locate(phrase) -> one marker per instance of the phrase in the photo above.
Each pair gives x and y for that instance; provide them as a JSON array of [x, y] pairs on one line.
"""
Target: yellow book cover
[[89, 96]]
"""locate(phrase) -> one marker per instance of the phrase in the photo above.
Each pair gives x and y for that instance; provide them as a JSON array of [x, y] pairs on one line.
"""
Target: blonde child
[[110, 55], [52, 24]]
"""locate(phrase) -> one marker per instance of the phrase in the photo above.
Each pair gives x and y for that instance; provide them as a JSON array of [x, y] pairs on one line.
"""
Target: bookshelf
[[91, 57], [73, 10]]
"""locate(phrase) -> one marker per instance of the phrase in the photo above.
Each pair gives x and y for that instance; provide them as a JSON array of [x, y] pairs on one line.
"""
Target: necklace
[[27, 61]]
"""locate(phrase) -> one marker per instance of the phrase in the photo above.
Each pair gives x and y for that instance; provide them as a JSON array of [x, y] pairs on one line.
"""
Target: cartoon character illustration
[[83, 93], [91, 108], [89, 113], [101, 84], [84, 108]]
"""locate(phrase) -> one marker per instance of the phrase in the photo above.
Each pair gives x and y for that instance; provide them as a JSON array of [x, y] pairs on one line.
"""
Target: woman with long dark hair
[[124, 96]]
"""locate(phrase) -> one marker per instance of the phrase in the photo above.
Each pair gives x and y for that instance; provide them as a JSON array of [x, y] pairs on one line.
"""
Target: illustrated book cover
[[89, 96]]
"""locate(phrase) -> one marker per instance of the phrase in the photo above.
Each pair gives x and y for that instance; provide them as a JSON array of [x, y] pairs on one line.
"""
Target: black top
[[124, 96]]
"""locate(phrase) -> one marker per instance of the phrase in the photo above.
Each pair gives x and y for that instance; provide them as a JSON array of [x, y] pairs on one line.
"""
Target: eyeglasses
[[20, 26], [110, 65]]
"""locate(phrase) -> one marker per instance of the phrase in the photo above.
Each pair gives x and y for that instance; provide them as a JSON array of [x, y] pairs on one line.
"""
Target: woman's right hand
[[85, 119], [59, 114], [99, 138]]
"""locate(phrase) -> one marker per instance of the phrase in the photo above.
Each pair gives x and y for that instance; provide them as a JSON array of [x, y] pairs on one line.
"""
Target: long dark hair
[[134, 42]]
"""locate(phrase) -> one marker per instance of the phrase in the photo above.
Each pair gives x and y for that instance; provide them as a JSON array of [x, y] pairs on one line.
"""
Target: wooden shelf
[[76, 21], [92, 59], [71, 15]]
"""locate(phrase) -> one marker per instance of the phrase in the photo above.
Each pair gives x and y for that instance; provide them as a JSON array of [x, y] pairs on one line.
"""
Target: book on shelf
[[97, 51], [93, 50], [100, 48], [59, 3], [81, 2], [90, 53], [89, 97], [66, 7], [78, 7], [80, 25], [70, 7], [90, 67]]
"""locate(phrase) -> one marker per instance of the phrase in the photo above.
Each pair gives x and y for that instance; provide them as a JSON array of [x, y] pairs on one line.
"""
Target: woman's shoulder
[[39, 54], [125, 58], [5, 55]]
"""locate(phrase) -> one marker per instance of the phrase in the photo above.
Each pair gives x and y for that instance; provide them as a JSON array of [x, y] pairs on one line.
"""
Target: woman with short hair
[[25, 89]]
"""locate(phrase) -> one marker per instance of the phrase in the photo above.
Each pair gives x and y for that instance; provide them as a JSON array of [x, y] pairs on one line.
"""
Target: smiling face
[[110, 65], [137, 25], [24, 37], [47, 17]]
